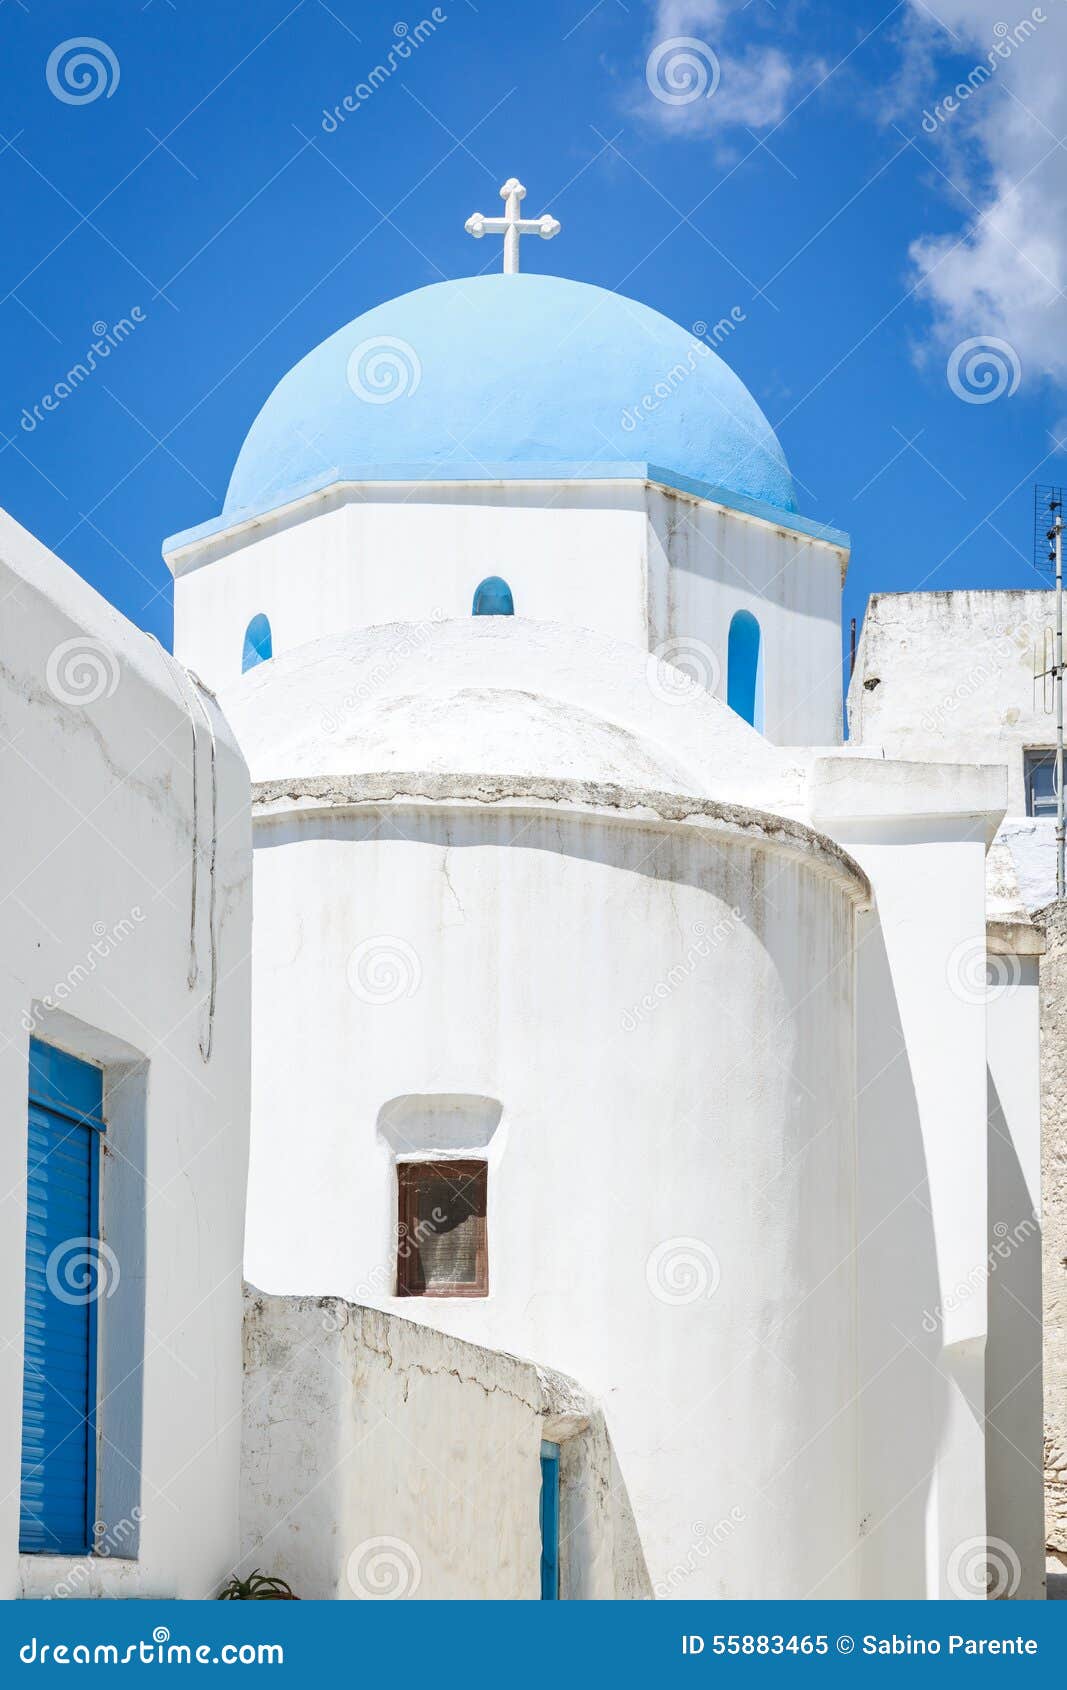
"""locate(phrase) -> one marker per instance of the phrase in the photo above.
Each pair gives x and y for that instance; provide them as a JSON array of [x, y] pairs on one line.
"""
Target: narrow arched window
[[744, 669], [492, 597], [257, 643]]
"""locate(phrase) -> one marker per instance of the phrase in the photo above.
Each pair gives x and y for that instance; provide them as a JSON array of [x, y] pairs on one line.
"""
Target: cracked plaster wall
[[377, 1449]]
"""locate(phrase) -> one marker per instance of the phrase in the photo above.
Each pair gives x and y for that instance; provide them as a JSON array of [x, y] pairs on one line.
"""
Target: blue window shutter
[[549, 1522], [59, 1364]]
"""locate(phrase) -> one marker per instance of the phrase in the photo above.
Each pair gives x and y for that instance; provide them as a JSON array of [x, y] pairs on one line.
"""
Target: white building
[[678, 1027], [944, 675], [610, 1017], [125, 928]]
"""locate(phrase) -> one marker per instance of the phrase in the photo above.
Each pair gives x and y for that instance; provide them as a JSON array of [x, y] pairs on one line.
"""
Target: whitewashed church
[[503, 1101]]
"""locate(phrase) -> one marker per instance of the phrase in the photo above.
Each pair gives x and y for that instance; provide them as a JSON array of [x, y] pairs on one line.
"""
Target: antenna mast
[[1050, 500]]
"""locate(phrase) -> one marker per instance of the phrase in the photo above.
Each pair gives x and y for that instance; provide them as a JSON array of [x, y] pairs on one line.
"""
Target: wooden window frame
[[461, 1172]]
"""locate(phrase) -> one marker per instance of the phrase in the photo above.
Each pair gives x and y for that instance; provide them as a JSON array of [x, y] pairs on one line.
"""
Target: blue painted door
[[549, 1522], [62, 1280]]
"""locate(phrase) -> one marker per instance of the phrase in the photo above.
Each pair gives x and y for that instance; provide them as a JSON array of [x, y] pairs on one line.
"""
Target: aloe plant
[[257, 1587]]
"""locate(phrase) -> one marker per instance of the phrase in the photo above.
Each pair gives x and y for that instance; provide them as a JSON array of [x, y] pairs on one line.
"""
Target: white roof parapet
[[859, 789]]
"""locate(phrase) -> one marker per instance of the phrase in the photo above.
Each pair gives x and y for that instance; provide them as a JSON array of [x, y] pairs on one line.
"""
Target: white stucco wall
[[706, 563], [664, 1016], [96, 761], [385, 1460], [1014, 1479], [920, 834], [644, 564], [949, 677]]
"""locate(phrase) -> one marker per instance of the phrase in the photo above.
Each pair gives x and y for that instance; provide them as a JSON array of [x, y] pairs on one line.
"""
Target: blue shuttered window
[[59, 1366], [549, 1522]]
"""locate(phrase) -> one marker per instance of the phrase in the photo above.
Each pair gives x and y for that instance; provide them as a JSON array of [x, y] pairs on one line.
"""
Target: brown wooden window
[[442, 1248]]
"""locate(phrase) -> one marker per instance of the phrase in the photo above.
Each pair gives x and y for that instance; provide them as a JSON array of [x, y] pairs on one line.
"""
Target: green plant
[[257, 1587]]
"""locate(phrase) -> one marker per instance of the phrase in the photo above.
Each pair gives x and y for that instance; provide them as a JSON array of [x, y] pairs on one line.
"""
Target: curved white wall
[[668, 1070]]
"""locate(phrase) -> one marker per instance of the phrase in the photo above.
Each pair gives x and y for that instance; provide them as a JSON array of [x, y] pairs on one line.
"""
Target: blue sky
[[806, 191]]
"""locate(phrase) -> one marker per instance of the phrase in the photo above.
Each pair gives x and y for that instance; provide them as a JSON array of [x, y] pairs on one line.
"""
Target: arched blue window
[[744, 669], [257, 643], [492, 597]]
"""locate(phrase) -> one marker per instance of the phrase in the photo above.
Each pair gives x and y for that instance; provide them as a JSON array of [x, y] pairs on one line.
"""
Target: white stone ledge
[[317, 795]]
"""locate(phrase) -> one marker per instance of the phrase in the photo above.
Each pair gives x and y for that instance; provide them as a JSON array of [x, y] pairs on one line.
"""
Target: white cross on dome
[[511, 225]]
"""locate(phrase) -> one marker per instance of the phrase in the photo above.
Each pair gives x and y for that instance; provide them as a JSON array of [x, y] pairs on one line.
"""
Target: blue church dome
[[503, 377]]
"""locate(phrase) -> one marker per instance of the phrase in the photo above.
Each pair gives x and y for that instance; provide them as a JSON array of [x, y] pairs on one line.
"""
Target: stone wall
[[384, 1460]]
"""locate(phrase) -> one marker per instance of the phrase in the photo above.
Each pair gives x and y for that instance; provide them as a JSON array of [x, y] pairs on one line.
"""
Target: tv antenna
[[1048, 526]]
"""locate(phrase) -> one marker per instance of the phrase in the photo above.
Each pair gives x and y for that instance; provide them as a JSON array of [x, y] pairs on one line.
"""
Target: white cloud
[[994, 104], [708, 70]]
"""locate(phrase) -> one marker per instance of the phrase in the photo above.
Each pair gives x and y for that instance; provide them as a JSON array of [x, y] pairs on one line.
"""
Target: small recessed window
[[442, 1248], [492, 597], [259, 645], [1041, 783]]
